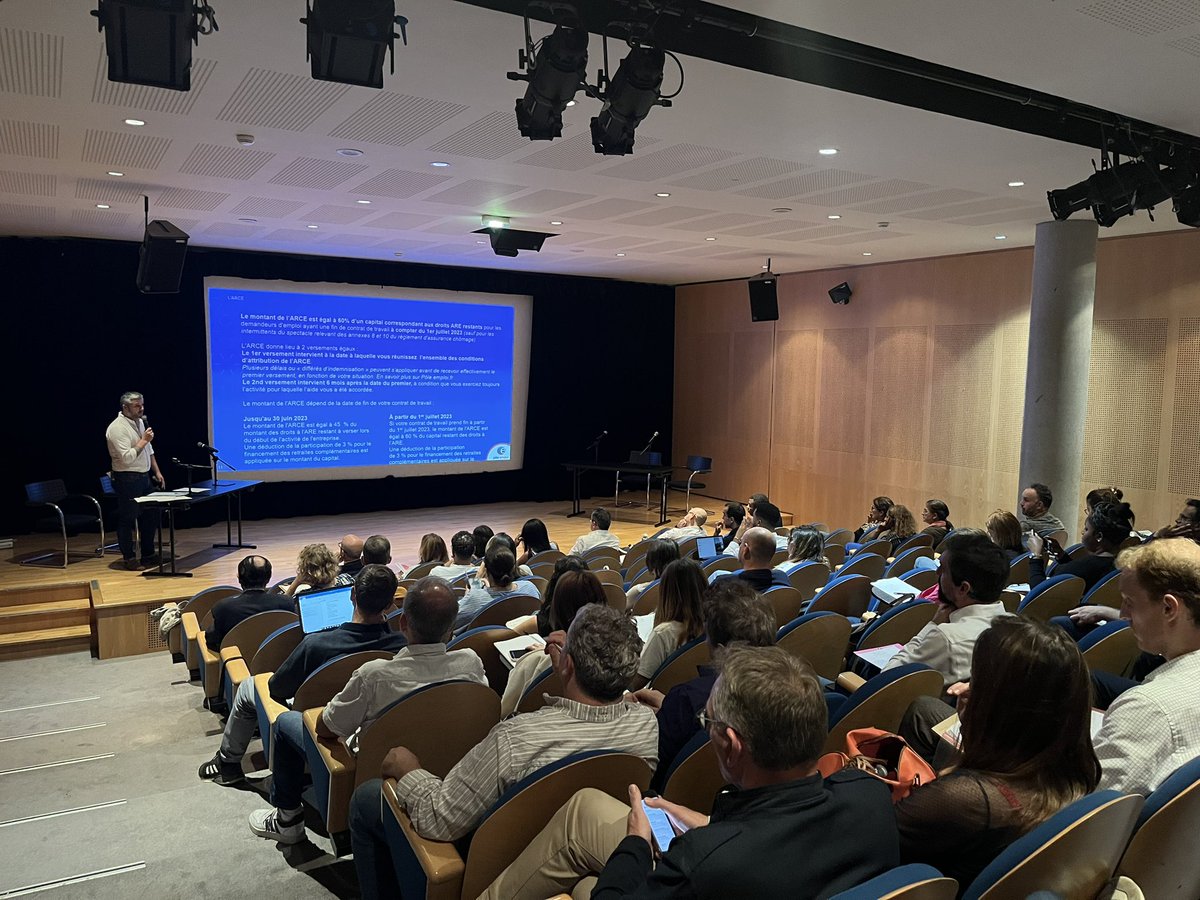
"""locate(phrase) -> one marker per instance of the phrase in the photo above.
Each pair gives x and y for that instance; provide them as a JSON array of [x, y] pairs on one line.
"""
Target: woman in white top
[[316, 570], [677, 620], [805, 544], [658, 555], [572, 592]]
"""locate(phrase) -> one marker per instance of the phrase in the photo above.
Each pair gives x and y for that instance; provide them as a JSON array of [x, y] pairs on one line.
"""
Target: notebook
[[322, 610]]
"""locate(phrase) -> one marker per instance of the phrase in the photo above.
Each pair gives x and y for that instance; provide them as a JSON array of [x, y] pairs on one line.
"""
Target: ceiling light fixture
[[363, 202], [710, 238], [556, 69], [102, 206], [620, 254], [249, 221], [555, 222], [438, 164], [347, 41], [782, 209], [311, 227], [1001, 237], [1121, 189], [865, 253], [117, 174], [828, 151], [628, 98], [348, 151], [136, 123], [833, 216], [663, 194], [1016, 184]]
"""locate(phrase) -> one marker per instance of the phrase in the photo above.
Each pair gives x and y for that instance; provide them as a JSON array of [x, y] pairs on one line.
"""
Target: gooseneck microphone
[[207, 449]]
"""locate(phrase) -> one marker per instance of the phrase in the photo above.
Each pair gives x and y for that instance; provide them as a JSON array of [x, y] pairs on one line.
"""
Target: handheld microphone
[[602, 434], [207, 449]]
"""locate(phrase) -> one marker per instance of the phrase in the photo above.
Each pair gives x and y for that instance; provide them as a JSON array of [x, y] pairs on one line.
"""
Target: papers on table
[[169, 496], [879, 656], [893, 590], [514, 648]]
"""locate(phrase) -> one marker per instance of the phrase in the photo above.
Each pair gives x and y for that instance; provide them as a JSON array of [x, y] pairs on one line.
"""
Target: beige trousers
[[575, 844]]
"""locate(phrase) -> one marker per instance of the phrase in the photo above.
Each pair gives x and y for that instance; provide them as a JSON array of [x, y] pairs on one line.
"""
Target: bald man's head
[[351, 547], [758, 547], [698, 514]]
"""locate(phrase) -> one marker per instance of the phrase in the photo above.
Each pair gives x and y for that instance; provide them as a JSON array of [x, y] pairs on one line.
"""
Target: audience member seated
[[898, 527], [482, 535], [374, 588], [876, 516], [1187, 523], [573, 590], [432, 550], [1103, 531], [254, 573], [350, 561], [972, 571], [1025, 725], [595, 660], [691, 525], [598, 536], [426, 622], [805, 544], [1005, 532], [936, 516], [494, 582], [1035, 511], [377, 551], [678, 618], [755, 553], [747, 520], [1153, 728], [534, 539], [462, 545], [1102, 495], [783, 832], [539, 623], [316, 570], [659, 553], [765, 515], [733, 613], [519, 570], [731, 521]]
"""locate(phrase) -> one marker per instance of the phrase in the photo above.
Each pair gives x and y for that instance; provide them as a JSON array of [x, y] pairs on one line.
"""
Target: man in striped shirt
[[595, 660]]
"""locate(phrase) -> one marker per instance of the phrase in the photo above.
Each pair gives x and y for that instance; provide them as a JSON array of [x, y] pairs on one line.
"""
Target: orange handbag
[[883, 755]]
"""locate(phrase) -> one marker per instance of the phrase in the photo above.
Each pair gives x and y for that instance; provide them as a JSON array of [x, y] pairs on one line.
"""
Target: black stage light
[[1065, 202], [348, 39], [841, 293], [1187, 206], [1122, 190], [631, 93], [556, 73], [507, 241], [150, 41]]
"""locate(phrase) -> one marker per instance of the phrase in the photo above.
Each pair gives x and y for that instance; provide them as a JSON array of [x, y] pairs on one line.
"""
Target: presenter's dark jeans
[[128, 485]]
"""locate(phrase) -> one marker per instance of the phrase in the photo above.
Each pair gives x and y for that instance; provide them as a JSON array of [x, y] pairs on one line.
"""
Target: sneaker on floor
[[267, 823], [133, 565], [221, 772]]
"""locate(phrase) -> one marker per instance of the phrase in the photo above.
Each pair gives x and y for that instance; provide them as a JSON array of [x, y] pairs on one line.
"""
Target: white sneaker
[[267, 823]]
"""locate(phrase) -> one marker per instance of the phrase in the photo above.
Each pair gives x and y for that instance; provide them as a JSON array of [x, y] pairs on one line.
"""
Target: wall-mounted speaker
[[841, 293], [764, 305], [160, 259]]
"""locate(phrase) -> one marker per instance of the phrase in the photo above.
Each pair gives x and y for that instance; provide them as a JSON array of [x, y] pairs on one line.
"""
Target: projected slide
[[350, 381]]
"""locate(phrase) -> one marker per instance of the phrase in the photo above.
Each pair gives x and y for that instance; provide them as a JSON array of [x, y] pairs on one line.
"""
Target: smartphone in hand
[[1055, 549], [660, 825]]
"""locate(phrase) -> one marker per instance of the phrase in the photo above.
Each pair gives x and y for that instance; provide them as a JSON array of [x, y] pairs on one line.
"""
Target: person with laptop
[[365, 629], [427, 621]]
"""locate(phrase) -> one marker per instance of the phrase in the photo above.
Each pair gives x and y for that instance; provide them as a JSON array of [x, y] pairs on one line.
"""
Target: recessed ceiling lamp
[[555, 222], [865, 253], [828, 151], [117, 174], [249, 221], [1002, 237], [710, 238], [136, 123], [438, 164], [397, 253], [620, 254], [348, 151], [663, 194], [782, 209], [1016, 184], [833, 216], [363, 202], [311, 227], [101, 206]]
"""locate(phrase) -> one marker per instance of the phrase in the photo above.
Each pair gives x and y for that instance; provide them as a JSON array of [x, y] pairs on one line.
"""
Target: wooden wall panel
[[898, 390], [1184, 477], [1010, 397], [843, 391], [961, 410], [796, 359]]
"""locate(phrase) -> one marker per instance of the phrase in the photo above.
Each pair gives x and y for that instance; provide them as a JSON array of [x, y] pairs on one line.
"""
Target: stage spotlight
[[150, 41], [554, 74], [631, 93], [1187, 206], [507, 241], [348, 39], [1122, 190], [1067, 201]]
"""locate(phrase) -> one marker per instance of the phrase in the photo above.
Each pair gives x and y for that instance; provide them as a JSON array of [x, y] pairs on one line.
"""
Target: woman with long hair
[[316, 570], [1026, 750], [936, 517], [678, 618], [898, 527], [876, 516], [573, 590], [534, 538], [658, 555], [433, 550], [1005, 531], [805, 544], [494, 581]]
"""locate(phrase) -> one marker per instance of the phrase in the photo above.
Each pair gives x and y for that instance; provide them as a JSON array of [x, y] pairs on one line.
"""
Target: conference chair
[[786, 601], [614, 596], [1105, 592], [916, 881], [696, 465], [836, 554], [1053, 597], [721, 563], [634, 558], [1074, 853], [917, 540], [418, 721], [534, 698], [848, 595], [435, 870], [545, 556], [682, 665], [1161, 857], [538, 582], [1018, 570], [879, 547], [694, 779], [688, 548], [248, 633], [504, 610], [53, 496], [647, 601], [108, 504], [318, 688], [780, 556], [1075, 551], [808, 578], [941, 545], [921, 579], [196, 613], [1059, 536], [869, 564], [881, 701], [906, 561], [541, 569], [419, 571], [841, 536], [642, 576], [270, 655], [1111, 647], [610, 576], [649, 458], [898, 625], [483, 642], [818, 637], [598, 557]]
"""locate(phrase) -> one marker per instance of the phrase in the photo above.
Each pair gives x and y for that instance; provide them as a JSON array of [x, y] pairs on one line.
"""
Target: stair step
[[46, 636], [45, 608]]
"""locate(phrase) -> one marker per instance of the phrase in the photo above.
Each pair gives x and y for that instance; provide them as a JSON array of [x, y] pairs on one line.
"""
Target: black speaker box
[[160, 259], [841, 293], [764, 306]]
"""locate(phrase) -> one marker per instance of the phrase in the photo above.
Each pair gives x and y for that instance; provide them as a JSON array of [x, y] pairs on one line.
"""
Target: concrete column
[[1060, 348]]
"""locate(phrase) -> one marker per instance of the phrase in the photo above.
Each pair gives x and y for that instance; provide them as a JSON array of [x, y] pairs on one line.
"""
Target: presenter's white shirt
[[122, 436]]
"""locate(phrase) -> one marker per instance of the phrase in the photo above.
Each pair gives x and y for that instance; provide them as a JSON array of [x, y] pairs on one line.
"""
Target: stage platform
[[95, 602]]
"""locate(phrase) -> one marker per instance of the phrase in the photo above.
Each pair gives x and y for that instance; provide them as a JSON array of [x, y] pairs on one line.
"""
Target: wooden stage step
[[64, 639], [54, 606]]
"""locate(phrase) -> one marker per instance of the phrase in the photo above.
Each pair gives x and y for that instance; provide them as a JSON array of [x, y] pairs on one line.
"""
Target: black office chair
[[53, 495], [652, 458], [696, 465]]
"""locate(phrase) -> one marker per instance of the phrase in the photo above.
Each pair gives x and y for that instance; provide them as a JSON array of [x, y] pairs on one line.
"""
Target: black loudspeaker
[[841, 293], [764, 306], [160, 259]]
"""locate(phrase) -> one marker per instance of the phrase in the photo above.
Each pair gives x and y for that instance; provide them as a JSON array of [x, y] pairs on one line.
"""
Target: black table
[[578, 467], [200, 493]]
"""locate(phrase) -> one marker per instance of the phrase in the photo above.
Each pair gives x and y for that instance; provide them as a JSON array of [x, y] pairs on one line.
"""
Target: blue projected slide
[[305, 380]]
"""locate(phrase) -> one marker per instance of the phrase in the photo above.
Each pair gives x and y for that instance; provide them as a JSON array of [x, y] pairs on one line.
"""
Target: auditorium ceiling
[[737, 156]]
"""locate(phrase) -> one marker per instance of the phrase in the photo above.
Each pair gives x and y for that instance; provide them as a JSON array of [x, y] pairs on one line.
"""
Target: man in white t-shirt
[[462, 548], [128, 437], [599, 535], [691, 525]]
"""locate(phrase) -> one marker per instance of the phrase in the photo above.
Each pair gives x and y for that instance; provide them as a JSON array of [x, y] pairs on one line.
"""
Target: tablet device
[[322, 610], [707, 547]]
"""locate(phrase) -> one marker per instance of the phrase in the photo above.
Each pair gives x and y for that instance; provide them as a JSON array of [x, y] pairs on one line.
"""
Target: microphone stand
[[595, 445], [189, 467], [646, 449], [216, 459]]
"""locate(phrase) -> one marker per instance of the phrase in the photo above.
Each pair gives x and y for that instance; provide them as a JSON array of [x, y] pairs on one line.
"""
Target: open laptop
[[322, 610], [707, 547]]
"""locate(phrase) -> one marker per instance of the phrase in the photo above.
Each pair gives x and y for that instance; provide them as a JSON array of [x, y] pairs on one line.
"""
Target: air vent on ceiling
[[493, 136], [33, 63], [118, 148], [280, 100], [396, 119], [317, 174], [215, 161]]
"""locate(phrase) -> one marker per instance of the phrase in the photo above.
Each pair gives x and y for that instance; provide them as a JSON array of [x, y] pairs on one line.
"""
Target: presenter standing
[[133, 461]]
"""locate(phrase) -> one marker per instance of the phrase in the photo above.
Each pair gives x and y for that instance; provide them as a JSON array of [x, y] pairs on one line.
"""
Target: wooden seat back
[[821, 640], [681, 665], [504, 610], [323, 684], [483, 642]]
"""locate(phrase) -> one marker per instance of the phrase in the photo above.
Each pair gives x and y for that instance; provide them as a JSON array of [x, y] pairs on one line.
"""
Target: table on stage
[[578, 467], [170, 502]]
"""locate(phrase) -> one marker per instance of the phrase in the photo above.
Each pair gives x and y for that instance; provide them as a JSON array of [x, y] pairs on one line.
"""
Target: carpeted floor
[[146, 826]]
